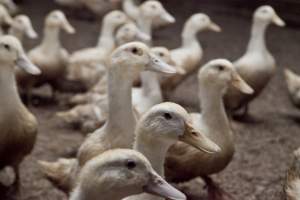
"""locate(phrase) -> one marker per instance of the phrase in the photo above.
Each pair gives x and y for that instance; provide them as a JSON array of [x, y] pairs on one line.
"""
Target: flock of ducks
[[137, 140]]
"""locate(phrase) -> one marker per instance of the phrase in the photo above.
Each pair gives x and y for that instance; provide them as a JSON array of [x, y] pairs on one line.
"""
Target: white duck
[[18, 125], [162, 126], [257, 65], [118, 173], [22, 25], [293, 85], [190, 53], [10, 6], [49, 56], [87, 65], [5, 18], [125, 64], [133, 11], [184, 162], [292, 182]]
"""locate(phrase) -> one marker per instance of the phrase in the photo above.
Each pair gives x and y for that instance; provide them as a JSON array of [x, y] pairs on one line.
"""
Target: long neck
[[257, 41], [120, 113], [79, 194], [17, 33], [189, 35], [106, 38], [145, 25], [131, 9], [150, 84], [51, 38]]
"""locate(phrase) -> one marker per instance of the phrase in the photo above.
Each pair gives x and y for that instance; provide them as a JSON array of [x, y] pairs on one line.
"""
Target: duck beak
[[158, 186], [158, 65], [278, 21], [68, 27], [30, 32], [167, 17], [24, 63], [214, 27], [142, 36], [198, 140], [240, 84]]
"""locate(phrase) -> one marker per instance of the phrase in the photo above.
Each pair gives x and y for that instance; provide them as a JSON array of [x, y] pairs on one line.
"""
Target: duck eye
[[167, 116], [264, 11], [130, 164], [136, 51], [153, 6], [161, 54], [221, 68], [7, 47]]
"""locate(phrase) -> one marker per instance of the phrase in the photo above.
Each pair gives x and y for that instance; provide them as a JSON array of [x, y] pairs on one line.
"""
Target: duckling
[[87, 66], [257, 66], [49, 56], [18, 126], [10, 6], [292, 182], [293, 85], [185, 162], [22, 25], [162, 126], [132, 10], [125, 64], [189, 55], [5, 18], [118, 173]]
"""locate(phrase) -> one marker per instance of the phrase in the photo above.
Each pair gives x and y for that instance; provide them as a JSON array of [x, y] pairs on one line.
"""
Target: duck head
[[22, 24], [169, 123], [153, 9], [129, 32], [57, 19], [267, 15], [220, 74], [201, 22], [5, 18], [136, 57], [10, 5], [124, 173], [115, 18], [12, 54]]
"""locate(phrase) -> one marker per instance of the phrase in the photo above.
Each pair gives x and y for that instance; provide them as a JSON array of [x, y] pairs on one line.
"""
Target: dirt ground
[[263, 148]]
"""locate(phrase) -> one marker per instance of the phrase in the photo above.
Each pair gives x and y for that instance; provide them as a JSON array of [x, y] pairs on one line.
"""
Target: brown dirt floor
[[263, 148]]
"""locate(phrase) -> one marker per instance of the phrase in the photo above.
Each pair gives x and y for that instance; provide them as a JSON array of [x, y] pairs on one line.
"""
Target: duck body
[[293, 85]]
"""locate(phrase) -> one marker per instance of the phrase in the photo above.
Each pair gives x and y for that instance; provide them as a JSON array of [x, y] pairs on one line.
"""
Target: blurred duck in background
[[292, 182], [293, 85], [5, 19], [49, 56], [257, 66], [10, 6]]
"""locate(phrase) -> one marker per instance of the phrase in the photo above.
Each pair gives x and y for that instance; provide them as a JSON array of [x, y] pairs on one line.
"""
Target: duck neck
[[145, 24], [153, 148], [213, 111], [51, 39], [189, 36], [150, 84], [131, 9], [257, 40], [17, 33], [106, 38], [120, 113], [80, 194]]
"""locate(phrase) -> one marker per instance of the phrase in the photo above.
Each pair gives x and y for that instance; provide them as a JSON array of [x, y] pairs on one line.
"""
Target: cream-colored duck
[[18, 126], [22, 25], [292, 182], [49, 56], [129, 32], [257, 65], [293, 85], [162, 126], [190, 53], [5, 18], [185, 162], [87, 66], [118, 173], [125, 64], [10, 6]]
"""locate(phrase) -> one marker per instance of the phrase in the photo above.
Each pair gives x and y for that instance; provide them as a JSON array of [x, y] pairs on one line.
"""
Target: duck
[[184, 162], [49, 56], [125, 64], [5, 19], [87, 66], [10, 5], [22, 25], [133, 11], [19, 127], [292, 181], [257, 66], [129, 32], [293, 85], [127, 171], [188, 56], [163, 126]]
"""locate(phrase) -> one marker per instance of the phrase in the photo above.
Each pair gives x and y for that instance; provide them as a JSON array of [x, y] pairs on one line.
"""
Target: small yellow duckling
[[18, 126], [118, 173], [293, 85], [292, 182], [49, 56], [257, 66], [22, 25]]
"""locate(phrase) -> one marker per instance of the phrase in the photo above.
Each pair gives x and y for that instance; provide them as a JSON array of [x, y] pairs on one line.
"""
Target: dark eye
[[221, 68], [7, 47], [134, 50], [130, 164], [161, 54], [264, 11], [167, 116], [153, 6]]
